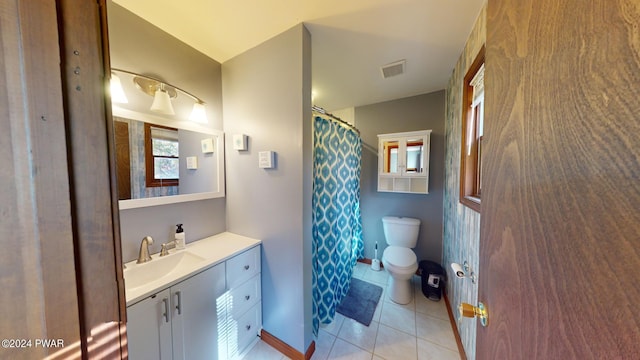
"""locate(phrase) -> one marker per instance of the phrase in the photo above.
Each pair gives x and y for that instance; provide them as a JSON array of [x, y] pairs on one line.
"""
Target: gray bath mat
[[360, 302]]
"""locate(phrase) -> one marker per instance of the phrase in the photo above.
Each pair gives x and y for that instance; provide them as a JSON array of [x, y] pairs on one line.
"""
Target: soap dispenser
[[180, 238]]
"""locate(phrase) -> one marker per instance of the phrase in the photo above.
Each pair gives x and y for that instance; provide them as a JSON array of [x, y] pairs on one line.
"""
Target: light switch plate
[[192, 162], [266, 159], [207, 146]]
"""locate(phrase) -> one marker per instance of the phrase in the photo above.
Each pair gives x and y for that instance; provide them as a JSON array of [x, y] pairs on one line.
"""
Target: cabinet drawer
[[245, 296], [248, 326], [242, 267]]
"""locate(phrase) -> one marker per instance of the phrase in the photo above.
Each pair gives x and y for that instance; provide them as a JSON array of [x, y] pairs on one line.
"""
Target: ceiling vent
[[393, 69]]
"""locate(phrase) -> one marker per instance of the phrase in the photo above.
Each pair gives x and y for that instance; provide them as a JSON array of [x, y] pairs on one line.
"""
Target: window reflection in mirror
[[391, 157], [414, 156], [162, 155]]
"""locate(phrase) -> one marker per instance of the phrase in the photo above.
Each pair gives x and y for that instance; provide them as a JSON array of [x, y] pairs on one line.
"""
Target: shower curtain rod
[[322, 111]]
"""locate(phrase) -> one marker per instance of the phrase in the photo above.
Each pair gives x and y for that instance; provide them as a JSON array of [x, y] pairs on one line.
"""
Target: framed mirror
[[160, 161], [414, 160]]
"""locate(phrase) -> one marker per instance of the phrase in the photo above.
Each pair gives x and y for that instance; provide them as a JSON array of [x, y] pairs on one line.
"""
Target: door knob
[[470, 311]]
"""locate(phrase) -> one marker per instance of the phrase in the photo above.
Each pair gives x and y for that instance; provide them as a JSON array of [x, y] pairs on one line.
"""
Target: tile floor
[[419, 330]]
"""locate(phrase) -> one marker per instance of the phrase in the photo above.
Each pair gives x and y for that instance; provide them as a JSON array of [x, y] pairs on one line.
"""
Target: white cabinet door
[[149, 328], [198, 305]]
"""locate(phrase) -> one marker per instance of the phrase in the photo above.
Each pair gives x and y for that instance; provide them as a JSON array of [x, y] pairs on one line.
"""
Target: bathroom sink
[[137, 275]]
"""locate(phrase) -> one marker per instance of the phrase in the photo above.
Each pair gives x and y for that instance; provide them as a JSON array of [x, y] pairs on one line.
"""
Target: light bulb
[[162, 103], [117, 92], [199, 113]]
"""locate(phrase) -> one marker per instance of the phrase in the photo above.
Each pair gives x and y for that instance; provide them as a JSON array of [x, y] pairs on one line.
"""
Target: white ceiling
[[351, 39]]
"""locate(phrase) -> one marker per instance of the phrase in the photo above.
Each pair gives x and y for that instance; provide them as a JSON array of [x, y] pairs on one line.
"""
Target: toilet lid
[[399, 256]]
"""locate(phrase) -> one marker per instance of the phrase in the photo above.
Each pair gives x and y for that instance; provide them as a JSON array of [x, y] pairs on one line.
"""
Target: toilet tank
[[401, 231]]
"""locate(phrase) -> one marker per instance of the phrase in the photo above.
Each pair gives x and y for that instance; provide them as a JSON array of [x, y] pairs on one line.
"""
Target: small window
[[472, 133], [162, 158]]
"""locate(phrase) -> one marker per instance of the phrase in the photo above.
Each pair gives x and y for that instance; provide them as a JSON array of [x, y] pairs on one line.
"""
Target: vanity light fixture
[[162, 93]]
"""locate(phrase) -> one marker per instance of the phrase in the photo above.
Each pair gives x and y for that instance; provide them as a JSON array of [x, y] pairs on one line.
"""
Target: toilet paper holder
[[464, 271]]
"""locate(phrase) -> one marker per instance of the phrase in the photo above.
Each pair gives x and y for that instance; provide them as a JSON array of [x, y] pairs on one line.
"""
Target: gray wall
[[461, 224], [307, 190], [267, 97], [201, 219], [138, 46], [422, 112], [203, 178]]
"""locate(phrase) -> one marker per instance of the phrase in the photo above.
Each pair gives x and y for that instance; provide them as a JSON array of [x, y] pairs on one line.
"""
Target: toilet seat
[[400, 258]]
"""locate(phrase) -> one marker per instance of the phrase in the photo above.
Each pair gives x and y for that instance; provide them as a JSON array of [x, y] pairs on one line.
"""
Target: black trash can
[[433, 279]]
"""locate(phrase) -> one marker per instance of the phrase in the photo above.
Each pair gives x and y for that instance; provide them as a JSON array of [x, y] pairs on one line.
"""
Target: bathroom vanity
[[203, 302]]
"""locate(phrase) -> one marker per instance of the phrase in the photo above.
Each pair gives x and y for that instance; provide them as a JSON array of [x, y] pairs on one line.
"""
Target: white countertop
[[214, 250]]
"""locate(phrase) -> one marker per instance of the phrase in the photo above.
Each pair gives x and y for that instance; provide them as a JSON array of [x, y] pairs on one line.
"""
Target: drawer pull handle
[[165, 314], [248, 327], [247, 297], [246, 267], [179, 303]]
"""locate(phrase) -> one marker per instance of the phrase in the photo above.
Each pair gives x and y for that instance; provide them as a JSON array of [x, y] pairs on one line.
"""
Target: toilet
[[398, 259]]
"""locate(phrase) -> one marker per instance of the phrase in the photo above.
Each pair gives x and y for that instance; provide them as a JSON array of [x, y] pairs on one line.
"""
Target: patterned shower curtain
[[337, 225]]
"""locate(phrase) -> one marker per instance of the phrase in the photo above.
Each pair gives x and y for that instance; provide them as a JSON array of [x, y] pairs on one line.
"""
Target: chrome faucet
[[143, 255], [164, 251]]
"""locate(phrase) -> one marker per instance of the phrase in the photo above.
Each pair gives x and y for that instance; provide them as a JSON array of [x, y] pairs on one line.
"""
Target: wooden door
[[123, 159], [90, 147], [37, 273], [560, 227], [60, 273]]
